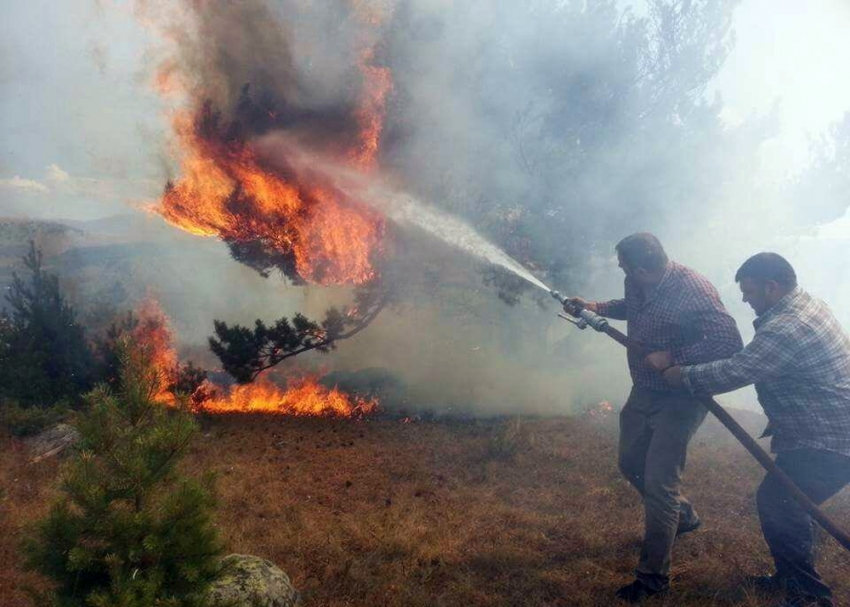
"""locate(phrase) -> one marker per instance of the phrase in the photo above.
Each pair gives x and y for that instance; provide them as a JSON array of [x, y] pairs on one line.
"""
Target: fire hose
[[583, 318]]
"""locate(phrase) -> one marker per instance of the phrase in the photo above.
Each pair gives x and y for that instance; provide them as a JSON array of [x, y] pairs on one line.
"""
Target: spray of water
[[399, 206], [407, 210]]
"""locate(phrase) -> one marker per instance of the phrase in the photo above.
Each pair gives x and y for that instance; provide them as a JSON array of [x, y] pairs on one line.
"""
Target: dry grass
[[496, 513]]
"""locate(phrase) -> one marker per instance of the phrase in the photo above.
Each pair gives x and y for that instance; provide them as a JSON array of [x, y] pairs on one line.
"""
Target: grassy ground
[[386, 513]]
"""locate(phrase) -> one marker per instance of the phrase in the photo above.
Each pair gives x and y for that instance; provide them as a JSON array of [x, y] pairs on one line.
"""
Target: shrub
[[128, 530], [44, 356], [24, 421]]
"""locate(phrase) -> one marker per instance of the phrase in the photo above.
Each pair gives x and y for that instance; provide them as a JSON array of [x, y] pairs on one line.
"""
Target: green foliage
[[107, 345], [44, 356], [128, 530], [824, 186], [245, 353], [24, 421]]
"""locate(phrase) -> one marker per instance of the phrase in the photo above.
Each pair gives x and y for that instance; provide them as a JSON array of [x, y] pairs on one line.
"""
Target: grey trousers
[[655, 429], [788, 528]]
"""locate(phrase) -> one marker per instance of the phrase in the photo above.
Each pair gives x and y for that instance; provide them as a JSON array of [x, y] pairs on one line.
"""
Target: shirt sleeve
[[768, 355], [713, 335], [614, 308]]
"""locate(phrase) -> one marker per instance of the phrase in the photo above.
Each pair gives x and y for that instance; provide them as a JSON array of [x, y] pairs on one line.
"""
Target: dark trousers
[[655, 429], [788, 529]]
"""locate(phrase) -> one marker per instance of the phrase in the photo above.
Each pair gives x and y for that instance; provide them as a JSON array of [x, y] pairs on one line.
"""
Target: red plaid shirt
[[684, 315]]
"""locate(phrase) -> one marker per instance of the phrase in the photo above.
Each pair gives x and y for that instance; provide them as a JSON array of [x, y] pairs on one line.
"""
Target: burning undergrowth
[[278, 134], [303, 394], [253, 106]]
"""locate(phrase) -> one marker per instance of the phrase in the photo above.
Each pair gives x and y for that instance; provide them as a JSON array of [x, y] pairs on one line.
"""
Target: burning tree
[[244, 177]]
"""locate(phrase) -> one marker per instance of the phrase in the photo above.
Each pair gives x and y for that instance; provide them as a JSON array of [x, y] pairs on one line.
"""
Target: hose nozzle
[[579, 316]]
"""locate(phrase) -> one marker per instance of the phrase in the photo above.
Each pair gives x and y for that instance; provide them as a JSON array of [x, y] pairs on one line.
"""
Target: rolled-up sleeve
[[614, 308], [768, 355]]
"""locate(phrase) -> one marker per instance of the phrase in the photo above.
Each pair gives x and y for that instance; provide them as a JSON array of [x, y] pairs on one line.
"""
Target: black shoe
[[693, 526], [637, 592]]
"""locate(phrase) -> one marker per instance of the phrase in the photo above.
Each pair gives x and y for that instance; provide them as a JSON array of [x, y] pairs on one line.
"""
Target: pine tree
[[245, 353], [128, 531], [44, 356]]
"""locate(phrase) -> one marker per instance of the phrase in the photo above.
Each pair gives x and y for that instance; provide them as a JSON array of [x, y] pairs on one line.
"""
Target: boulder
[[250, 581], [52, 441]]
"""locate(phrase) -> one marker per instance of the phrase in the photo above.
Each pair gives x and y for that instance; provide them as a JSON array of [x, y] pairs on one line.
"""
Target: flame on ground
[[305, 397], [153, 335]]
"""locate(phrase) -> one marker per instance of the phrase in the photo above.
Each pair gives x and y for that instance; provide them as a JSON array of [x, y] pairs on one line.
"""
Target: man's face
[[637, 275], [756, 295], [624, 266]]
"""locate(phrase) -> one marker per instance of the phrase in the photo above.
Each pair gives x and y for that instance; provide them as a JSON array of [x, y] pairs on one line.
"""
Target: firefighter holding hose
[[670, 308], [799, 361]]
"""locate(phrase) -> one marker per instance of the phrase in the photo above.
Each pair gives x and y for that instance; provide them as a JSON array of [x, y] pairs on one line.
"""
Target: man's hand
[[673, 376], [577, 303], [660, 361]]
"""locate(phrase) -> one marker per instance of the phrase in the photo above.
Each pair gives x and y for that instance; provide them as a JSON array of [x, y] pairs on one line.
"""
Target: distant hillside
[[117, 261], [51, 237]]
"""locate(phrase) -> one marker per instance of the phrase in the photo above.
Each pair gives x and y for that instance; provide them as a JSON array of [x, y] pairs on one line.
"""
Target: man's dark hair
[[642, 250], [762, 267]]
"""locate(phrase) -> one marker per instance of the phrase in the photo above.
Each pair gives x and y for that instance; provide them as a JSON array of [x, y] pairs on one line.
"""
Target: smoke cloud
[[553, 128]]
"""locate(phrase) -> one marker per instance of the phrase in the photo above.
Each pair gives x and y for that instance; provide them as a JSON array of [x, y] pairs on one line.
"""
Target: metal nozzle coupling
[[581, 317], [594, 320]]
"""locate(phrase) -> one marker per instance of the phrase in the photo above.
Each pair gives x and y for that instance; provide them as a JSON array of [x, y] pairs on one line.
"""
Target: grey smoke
[[552, 128]]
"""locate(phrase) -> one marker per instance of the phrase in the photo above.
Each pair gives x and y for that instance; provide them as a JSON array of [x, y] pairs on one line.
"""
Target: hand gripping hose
[[583, 318]]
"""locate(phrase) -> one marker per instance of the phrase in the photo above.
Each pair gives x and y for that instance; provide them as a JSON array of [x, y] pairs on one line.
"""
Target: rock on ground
[[52, 441], [250, 581]]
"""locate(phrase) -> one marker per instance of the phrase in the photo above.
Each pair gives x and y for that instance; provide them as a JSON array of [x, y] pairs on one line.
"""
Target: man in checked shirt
[[672, 308], [799, 361]]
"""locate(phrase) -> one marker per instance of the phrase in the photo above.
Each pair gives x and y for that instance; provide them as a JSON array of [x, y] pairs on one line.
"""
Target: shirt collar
[[780, 306], [665, 278]]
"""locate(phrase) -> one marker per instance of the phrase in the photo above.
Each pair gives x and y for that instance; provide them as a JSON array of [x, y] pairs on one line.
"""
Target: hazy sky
[[792, 54], [82, 134]]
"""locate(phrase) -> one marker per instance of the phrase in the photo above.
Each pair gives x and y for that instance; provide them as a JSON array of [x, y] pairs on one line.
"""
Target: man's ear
[[771, 287]]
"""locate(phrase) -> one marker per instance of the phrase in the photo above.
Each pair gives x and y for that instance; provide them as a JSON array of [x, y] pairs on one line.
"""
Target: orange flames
[[305, 396], [370, 114], [153, 334], [229, 190], [225, 192]]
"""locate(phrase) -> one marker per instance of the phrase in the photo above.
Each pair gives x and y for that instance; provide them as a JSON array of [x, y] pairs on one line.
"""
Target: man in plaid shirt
[[672, 308], [799, 361]]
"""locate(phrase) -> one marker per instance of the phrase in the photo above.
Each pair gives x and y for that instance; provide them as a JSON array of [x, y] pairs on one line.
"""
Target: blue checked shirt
[[799, 361], [684, 315]]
